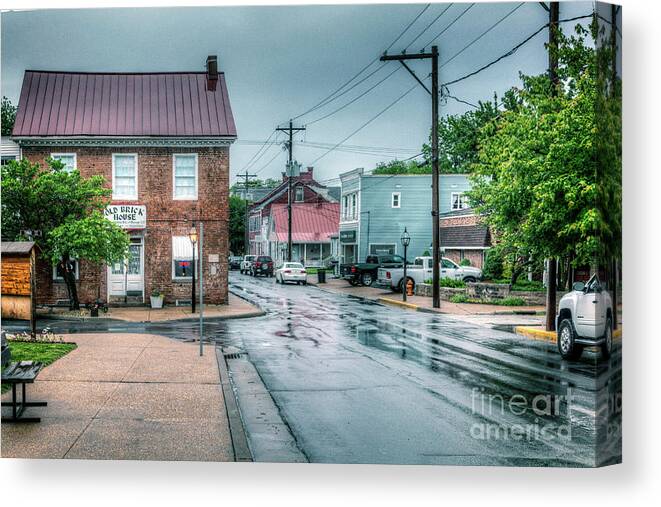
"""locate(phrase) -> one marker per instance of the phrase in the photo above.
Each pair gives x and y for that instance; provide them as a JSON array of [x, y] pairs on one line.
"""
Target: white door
[[127, 277]]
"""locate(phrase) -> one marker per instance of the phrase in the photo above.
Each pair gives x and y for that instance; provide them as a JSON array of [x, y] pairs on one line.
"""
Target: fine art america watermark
[[547, 416]]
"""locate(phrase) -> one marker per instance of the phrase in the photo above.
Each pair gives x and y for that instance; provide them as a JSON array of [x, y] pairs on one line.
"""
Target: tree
[[458, 145], [539, 177], [237, 224], [8, 116], [458, 139], [68, 211]]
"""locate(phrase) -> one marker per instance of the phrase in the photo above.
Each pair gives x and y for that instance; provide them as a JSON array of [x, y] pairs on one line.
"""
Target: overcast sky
[[280, 61]]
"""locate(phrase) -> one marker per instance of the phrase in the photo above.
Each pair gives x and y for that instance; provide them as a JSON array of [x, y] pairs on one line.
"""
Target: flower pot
[[156, 301]]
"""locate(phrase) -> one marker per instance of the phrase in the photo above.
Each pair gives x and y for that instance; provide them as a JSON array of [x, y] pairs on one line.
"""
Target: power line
[[366, 123], [334, 95], [409, 26], [483, 34], [353, 100], [450, 25], [511, 51], [268, 163], [428, 27]]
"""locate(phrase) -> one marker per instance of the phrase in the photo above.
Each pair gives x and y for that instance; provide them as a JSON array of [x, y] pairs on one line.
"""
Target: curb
[[549, 336], [240, 446], [256, 313], [402, 304]]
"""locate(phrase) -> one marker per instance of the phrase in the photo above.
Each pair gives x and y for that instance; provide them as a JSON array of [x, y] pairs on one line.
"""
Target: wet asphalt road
[[358, 382]]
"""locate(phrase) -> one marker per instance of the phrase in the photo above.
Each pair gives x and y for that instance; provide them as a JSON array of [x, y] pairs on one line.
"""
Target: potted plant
[[156, 298]]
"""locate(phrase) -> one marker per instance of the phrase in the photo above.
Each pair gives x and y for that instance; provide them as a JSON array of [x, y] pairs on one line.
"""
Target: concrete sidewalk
[[126, 396], [237, 308]]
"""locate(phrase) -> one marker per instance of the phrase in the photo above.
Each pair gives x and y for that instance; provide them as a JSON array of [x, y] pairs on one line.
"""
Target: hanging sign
[[127, 216]]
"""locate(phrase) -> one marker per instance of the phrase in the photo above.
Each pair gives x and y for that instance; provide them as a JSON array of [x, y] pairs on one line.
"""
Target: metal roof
[[463, 236], [16, 247], [61, 104], [311, 222]]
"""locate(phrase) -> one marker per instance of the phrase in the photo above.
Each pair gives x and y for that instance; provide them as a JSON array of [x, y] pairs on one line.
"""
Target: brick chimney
[[212, 72]]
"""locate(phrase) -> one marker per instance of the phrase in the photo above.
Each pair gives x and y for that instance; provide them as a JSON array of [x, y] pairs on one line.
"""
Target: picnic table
[[23, 372]]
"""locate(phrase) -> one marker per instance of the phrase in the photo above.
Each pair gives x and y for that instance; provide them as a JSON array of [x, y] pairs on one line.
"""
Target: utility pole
[[290, 147], [436, 247], [246, 239], [552, 266]]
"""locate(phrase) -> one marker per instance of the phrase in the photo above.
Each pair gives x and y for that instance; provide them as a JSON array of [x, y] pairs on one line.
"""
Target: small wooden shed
[[18, 282]]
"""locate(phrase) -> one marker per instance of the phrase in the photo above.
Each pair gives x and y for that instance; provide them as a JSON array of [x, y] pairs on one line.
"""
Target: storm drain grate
[[235, 355]]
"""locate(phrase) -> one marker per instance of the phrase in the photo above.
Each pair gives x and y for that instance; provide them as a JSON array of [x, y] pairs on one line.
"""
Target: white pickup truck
[[585, 318], [421, 270]]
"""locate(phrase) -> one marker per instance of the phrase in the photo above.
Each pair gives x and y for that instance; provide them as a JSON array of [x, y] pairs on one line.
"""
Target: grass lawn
[[44, 352]]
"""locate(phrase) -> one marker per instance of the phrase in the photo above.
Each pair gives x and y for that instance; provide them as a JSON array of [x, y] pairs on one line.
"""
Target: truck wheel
[[353, 283], [607, 346], [469, 279], [366, 279], [567, 345]]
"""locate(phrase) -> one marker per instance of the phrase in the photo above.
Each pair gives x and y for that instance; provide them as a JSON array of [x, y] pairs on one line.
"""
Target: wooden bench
[[24, 372]]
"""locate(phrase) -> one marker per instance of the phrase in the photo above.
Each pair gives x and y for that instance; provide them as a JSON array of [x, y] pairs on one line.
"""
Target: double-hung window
[[396, 200], [182, 258], [125, 176], [185, 176], [459, 200], [67, 159], [300, 194]]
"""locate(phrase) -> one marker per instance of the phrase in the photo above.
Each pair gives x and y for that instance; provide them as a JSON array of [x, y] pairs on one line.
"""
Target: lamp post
[[192, 235], [406, 240]]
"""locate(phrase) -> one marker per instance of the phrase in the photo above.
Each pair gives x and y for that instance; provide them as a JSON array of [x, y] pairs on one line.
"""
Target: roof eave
[[109, 141]]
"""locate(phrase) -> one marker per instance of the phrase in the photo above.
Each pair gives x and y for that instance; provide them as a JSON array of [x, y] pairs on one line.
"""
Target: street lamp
[[192, 235], [406, 240]]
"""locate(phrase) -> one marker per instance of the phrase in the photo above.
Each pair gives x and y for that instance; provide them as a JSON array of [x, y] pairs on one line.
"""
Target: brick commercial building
[[463, 236], [162, 142]]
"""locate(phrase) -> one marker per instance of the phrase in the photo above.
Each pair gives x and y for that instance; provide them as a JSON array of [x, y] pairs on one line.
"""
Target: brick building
[[162, 142], [464, 237], [267, 223]]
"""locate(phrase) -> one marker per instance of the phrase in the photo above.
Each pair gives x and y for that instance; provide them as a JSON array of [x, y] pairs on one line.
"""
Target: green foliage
[[8, 116], [465, 262], [402, 167], [46, 353], [540, 180], [92, 237], [237, 224], [459, 137], [66, 208], [508, 301], [459, 298], [258, 183], [493, 264]]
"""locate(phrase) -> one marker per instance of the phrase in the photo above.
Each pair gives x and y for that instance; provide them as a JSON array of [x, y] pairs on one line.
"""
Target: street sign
[[348, 236]]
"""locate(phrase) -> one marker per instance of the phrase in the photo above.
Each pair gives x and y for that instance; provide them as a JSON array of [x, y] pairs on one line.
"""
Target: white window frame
[[115, 196], [174, 178], [459, 201], [174, 271], [399, 200], [75, 158], [300, 188], [61, 278]]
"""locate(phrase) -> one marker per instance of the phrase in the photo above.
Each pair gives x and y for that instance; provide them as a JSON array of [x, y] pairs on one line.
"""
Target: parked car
[[291, 272], [585, 318], [235, 261], [246, 264], [262, 265], [421, 270], [365, 273]]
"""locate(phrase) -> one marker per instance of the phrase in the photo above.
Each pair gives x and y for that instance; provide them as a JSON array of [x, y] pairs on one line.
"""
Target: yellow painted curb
[[536, 333], [549, 336], [394, 302]]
